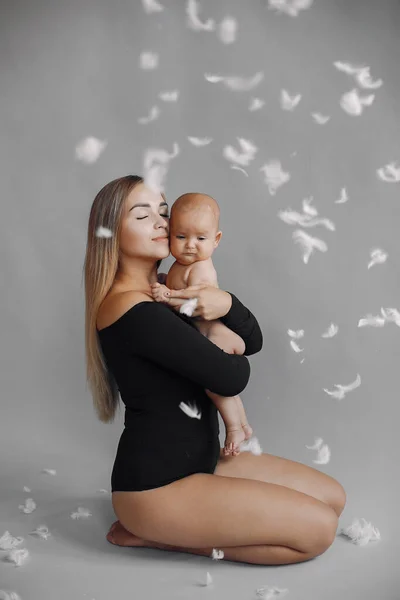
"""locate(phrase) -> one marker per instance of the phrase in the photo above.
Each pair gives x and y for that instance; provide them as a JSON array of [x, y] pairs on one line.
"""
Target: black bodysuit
[[159, 359]]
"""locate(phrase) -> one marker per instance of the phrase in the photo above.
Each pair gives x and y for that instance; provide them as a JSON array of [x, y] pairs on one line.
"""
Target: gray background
[[70, 70]]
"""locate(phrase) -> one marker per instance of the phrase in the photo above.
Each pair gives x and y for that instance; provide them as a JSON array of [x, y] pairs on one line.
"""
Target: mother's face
[[145, 217]]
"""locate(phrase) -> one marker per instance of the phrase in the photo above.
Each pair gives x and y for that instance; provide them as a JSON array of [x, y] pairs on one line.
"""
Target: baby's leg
[[222, 336], [243, 419], [230, 414], [235, 420]]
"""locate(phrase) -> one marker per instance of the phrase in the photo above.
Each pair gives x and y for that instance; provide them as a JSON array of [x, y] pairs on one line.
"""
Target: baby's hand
[[160, 292]]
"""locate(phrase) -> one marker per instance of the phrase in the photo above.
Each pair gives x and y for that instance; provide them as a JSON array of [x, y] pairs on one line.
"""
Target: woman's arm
[[240, 320], [154, 331], [214, 303]]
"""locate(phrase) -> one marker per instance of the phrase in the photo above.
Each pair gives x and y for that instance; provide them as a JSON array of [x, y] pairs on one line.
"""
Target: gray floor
[[70, 70]]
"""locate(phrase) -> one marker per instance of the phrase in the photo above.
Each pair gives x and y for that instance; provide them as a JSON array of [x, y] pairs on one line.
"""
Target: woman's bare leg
[[256, 555]]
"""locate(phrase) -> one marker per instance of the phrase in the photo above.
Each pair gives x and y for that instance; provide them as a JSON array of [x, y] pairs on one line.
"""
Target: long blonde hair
[[100, 268]]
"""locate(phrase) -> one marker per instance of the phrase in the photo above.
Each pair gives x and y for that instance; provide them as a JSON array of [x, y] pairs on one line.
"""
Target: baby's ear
[[218, 237]]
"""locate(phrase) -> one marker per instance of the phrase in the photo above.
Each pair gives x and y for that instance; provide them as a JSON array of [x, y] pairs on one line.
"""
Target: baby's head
[[193, 228]]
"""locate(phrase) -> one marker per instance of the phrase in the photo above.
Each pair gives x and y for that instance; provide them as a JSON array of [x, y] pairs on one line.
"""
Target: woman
[[172, 488]]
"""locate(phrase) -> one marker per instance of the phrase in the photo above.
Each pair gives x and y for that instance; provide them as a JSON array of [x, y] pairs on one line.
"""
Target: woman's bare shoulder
[[116, 304]]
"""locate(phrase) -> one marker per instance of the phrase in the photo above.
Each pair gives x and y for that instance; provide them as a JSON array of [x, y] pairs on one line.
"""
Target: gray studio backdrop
[[71, 70]]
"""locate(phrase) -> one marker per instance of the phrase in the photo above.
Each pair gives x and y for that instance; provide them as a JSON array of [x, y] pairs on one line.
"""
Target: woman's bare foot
[[119, 536], [248, 431], [234, 437]]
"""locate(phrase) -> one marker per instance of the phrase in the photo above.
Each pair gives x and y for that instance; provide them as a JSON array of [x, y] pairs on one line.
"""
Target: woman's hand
[[212, 303]]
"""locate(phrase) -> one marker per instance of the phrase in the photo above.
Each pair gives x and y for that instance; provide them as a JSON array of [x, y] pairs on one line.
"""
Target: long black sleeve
[[240, 320], [154, 331]]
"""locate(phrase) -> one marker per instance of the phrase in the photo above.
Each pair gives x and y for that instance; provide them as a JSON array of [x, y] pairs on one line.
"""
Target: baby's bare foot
[[247, 431], [234, 437], [119, 536]]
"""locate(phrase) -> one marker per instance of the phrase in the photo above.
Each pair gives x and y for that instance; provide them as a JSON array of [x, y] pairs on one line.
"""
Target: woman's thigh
[[202, 510], [281, 471]]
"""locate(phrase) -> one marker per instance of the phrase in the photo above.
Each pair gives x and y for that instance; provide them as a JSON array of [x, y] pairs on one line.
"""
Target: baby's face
[[193, 236]]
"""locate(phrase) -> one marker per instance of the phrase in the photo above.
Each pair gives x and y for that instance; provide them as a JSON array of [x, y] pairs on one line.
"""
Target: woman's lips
[[160, 239]]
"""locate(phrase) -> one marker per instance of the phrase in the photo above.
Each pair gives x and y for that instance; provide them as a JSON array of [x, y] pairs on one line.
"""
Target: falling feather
[[256, 104], [4, 595], [81, 513], [208, 580], [152, 6], [237, 84], [292, 217], [317, 444], [154, 113], [148, 60], [103, 491], [323, 456], [296, 347], [331, 331], [307, 208], [251, 445], [361, 533], [343, 197], [8, 541], [199, 141], [319, 118], [342, 390], [353, 104], [378, 257], [390, 173], [275, 176], [190, 410], [227, 30], [155, 166], [193, 20], [41, 531], [18, 557], [391, 314], [296, 334], [364, 80], [371, 321], [188, 307], [240, 84], [169, 96], [236, 168], [28, 507], [103, 232], [289, 102], [213, 78], [26, 489], [49, 471], [291, 8], [308, 244], [217, 554], [361, 74], [89, 150], [243, 157], [269, 592], [348, 68]]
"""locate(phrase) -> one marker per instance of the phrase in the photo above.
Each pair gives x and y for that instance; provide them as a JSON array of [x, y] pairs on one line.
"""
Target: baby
[[194, 234]]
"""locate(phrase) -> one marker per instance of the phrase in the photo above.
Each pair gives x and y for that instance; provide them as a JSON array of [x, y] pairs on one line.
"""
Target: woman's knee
[[323, 523]]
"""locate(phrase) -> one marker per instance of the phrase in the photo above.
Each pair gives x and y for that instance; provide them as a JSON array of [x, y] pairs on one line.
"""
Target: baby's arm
[[202, 271]]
